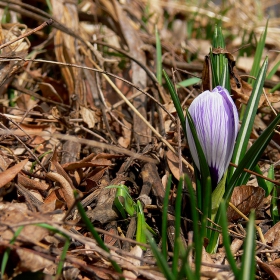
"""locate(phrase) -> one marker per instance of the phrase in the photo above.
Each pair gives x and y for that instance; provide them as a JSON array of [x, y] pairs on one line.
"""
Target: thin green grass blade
[[177, 243], [273, 71], [248, 162], [258, 56], [161, 261], [274, 199], [214, 66], [199, 191], [159, 58], [226, 241], [218, 61], [141, 225], [207, 208], [188, 82], [262, 182], [248, 120], [164, 218], [275, 88], [251, 158], [197, 236], [270, 175], [94, 233], [176, 102], [186, 271], [248, 263], [225, 81], [8, 251], [274, 207], [205, 176], [62, 258], [217, 196]]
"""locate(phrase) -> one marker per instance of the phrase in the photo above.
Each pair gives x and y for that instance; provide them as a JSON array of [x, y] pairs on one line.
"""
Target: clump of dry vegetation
[[83, 107]]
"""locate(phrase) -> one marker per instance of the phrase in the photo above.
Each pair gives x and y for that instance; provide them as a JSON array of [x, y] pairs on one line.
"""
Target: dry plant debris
[[81, 109]]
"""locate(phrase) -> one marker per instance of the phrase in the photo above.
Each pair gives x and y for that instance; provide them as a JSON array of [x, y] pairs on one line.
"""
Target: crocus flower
[[216, 121]]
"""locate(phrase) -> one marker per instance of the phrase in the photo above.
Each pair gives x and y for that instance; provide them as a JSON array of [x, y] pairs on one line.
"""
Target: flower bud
[[216, 122]]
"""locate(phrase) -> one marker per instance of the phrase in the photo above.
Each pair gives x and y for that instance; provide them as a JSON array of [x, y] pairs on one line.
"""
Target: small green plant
[[211, 189], [125, 204]]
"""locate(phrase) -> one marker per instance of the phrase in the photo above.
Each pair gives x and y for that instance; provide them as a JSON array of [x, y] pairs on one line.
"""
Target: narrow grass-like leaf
[[258, 56], [224, 80], [248, 120], [270, 175], [186, 271], [218, 61], [164, 218], [217, 195], [65, 247], [248, 263], [249, 162], [188, 82], [62, 258], [214, 66], [141, 225], [274, 207], [262, 182], [159, 58], [251, 158], [199, 191], [176, 102], [197, 236], [177, 243], [205, 173], [275, 88], [274, 197], [207, 207], [7, 252], [161, 261], [94, 233], [273, 71], [226, 241]]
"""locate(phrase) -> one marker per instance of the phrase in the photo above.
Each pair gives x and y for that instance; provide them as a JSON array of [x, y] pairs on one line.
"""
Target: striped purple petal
[[216, 121]]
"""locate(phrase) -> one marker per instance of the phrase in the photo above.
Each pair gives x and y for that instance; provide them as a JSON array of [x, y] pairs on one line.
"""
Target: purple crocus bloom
[[216, 121]]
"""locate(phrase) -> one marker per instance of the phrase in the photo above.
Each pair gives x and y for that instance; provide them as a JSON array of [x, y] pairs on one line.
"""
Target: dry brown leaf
[[9, 174], [269, 236], [173, 163], [271, 270], [245, 198], [31, 261], [125, 140], [77, 165], [272, 237], [88, 116], [31, 183], [49, 91], [16, 213]]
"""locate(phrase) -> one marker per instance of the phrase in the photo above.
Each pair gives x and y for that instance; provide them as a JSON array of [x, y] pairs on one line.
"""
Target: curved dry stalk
[[65, 187]]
